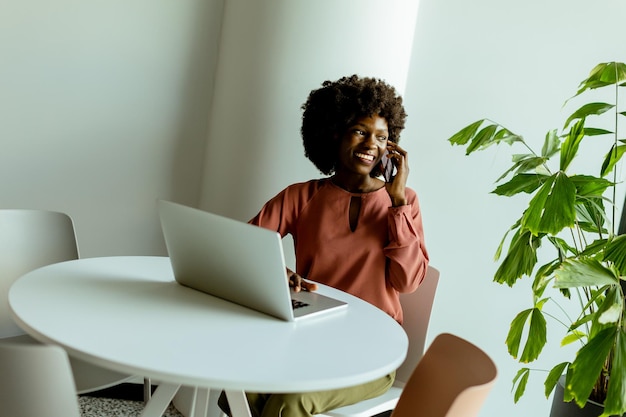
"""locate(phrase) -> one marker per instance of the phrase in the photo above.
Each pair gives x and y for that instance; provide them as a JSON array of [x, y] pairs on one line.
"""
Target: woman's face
[[362, 145]]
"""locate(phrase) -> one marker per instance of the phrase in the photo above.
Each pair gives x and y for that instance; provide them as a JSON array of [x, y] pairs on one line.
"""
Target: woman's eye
[[382, 138]]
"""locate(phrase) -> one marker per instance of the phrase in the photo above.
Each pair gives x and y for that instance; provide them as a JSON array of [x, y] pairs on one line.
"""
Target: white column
[[272, 54]]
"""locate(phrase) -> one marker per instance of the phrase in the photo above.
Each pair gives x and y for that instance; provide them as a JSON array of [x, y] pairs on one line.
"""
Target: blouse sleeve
[[272, 216], [281, 213], [406, 251]]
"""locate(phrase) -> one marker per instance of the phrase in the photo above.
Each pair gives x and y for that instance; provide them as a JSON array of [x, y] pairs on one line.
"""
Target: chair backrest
[[30, 239], [417, 307], [452, 379], [36, 380]]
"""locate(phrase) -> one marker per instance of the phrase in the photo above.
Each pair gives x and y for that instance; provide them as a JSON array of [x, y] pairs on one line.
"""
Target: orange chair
[[453, 379]]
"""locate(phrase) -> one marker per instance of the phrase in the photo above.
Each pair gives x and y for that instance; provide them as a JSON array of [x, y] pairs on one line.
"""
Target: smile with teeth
[[364, 156]]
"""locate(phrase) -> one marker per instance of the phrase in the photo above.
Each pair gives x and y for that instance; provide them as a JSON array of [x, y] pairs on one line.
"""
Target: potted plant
[[570, 220]]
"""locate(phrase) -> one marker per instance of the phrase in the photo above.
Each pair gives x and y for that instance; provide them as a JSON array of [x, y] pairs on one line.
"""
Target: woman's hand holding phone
[[388, 168], [397, 160]]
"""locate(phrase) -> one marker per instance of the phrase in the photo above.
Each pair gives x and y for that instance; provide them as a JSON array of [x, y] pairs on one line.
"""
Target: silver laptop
[[236, 261]]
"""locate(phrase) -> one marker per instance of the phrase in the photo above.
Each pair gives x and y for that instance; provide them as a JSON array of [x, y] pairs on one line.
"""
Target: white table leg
[[184, 401], [199, 403], [238, 403], [160, 400], [214, 408]]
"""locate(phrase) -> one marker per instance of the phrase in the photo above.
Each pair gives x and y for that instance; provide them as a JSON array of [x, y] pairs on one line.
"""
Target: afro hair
[[330, 110]]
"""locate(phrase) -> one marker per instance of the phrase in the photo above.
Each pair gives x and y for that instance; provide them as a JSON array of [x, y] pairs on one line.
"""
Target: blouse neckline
[[353, 194]]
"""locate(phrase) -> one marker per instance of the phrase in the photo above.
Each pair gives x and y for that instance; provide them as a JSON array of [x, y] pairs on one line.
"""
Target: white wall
[[104, 108]]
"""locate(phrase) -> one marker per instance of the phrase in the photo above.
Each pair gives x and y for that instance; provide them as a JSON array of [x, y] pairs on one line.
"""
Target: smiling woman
[[352, 230]]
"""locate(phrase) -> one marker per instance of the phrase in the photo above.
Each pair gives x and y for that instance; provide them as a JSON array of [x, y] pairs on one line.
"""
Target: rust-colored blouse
[[384, 256]]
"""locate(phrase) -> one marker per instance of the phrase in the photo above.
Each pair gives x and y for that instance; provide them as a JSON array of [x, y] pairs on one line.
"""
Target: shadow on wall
[[189, 140]]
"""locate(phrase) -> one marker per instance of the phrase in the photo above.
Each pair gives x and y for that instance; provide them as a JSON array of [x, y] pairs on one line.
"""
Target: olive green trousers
[[310, 403]]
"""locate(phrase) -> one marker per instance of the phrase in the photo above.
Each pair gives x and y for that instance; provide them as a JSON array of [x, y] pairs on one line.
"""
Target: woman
[[351, 230]]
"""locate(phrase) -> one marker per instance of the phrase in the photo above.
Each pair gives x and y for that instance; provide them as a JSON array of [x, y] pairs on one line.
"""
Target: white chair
[[417, 307], [30, 239], [453, 379], [36, 380]]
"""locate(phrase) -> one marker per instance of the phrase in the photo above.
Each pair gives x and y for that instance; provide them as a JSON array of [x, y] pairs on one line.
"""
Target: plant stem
[[582, 304], [615, 145], [552, 316]]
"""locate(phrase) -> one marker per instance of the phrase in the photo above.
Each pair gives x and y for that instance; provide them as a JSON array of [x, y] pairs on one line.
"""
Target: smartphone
[[388, 168]]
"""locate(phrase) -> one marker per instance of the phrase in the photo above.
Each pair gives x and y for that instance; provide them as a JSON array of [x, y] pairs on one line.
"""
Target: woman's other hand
[[298, 283]]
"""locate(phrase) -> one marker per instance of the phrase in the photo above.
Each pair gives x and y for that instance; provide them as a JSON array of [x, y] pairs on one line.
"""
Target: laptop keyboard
[[297, 304]]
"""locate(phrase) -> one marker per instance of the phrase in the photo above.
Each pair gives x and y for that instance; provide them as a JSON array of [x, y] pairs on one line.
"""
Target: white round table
[[128, 314]]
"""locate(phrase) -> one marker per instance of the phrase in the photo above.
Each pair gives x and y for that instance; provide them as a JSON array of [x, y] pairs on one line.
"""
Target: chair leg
[[147, 390]]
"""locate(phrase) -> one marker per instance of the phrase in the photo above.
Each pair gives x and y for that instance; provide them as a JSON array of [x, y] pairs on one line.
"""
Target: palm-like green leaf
[[516, 331], [614, 73], [523, 163], [583, 273], [520, 259], [553, 377], [573, 336], [551, 144], [483, 138], [570, 145], [464, 135], [519, 383], [586, 318], [594, 248], [588, 110], [528, 162], [612, 158], [552, 208], [591, 214], [526, 183], [610, 311], [564, 249], [489, 135], [588, 364], [536, 339], [592, 131], [615, 402], [503, 240], [601, 75], [615, 252], [506, 136], [590, 186], [543, 276], [589, 313]]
